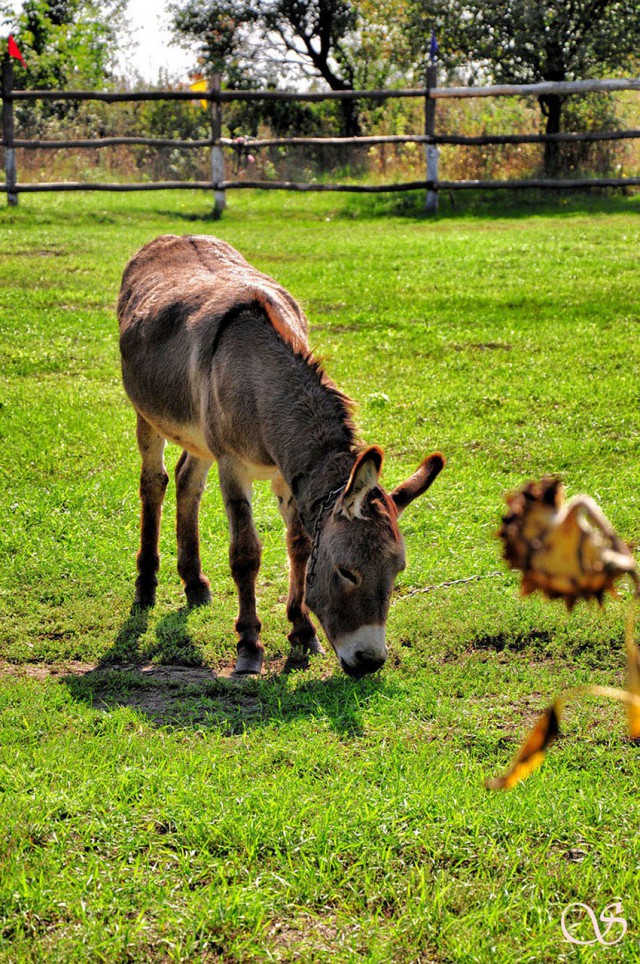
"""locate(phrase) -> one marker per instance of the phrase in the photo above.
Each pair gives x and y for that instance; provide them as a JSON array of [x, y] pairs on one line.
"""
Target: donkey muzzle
[[362, 651]]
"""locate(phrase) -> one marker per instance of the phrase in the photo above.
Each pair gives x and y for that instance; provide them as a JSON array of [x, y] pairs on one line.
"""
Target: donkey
[[215, 359]]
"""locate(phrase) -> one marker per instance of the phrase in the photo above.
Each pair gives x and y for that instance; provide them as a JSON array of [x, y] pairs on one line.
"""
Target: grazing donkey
[[215, 359]]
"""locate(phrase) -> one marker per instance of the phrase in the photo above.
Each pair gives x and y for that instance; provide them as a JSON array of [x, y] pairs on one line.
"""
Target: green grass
[[153, 810]]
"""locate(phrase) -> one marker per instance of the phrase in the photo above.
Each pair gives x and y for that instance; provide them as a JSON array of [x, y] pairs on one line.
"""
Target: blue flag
[[433, 48]]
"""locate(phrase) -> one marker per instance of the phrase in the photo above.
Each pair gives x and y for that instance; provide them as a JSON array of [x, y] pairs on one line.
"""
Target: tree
[[530, 41], [266, 41], [66, 43]]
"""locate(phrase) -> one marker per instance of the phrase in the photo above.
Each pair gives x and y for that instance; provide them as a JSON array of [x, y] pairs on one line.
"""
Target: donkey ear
[[364, 477], [419, 482]]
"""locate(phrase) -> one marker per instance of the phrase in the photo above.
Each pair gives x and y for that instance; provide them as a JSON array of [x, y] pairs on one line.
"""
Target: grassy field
[[151, 809]]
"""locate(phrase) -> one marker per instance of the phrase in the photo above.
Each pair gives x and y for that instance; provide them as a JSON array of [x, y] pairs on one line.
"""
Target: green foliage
[[230, 33], [66, 44], [528, 42], [247, 45], [218, 30], [592, 112], [346, 45]]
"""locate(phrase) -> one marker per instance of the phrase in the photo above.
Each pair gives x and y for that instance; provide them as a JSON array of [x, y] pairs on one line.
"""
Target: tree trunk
[[350, 118], [351, 126], [551, 105]]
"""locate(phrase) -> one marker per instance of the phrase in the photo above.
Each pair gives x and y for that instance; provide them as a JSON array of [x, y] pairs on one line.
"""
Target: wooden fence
[[216, 98]]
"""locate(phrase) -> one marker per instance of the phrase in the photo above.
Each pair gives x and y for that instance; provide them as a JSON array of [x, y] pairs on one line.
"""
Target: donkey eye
[[348, 575]]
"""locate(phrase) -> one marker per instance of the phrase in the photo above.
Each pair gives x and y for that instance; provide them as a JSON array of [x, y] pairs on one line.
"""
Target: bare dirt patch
[[163, 693], [42, 671], [481, 346], [166, 694], [306, 938], [340, 329], [42, 253]]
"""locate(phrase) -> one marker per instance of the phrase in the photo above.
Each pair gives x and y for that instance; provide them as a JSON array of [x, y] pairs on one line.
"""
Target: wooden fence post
[[431, 151], [217, 156], [8, 133]]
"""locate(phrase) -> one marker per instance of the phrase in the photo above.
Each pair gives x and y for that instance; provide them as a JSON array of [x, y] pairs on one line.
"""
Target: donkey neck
[[317, 491], [316, 447]]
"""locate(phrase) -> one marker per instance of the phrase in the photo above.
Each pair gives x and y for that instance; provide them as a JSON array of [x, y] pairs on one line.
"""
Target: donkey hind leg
[[303, 636], [153, 484], [191, 476], [244, 558]]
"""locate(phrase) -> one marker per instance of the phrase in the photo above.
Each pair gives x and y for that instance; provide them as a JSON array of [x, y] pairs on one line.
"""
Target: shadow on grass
[[490, 204], [173, 688], [463, 204], [478, 204], [172, 644], [195, 217], [194, 698]]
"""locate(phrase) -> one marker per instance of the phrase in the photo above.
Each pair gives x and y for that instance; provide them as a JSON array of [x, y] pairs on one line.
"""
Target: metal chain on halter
[[326, 506], [450, 582]]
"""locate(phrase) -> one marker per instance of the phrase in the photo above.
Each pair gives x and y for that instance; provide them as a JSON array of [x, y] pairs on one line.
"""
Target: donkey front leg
[[303, 634], [191, 476], [153, 485], [244, 557]]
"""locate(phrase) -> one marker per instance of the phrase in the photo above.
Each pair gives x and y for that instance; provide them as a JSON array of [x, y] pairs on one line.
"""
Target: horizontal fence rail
[[99, 142], [247, 143], [460, 139], [219, 184], [440, 185], [227, 96]]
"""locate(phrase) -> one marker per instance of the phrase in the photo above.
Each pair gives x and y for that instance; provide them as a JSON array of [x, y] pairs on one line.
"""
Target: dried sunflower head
[[566, 550]]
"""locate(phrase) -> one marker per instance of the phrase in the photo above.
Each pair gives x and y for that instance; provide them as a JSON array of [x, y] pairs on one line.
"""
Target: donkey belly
[[214, 436], [189, 437], [159, 389], [200, 442]]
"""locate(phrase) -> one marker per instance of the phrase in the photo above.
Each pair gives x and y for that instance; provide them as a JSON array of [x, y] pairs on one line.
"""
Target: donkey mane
[[322, 392], [345, 406], [342, 406]]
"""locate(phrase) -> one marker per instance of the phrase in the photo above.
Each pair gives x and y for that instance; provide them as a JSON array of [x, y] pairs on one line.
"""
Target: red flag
[[14, 50]]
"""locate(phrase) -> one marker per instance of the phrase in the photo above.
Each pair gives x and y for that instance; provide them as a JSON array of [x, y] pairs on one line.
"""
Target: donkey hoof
[[198, 594], [249, 661], [300, 652], [304, 642], [314, 647], [145, 598]]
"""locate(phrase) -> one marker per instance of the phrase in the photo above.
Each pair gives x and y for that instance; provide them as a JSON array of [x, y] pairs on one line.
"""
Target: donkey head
[[356, 557]]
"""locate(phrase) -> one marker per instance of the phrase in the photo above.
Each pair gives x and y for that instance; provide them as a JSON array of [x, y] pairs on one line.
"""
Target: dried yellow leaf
[[533, 752], [633, 677]]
